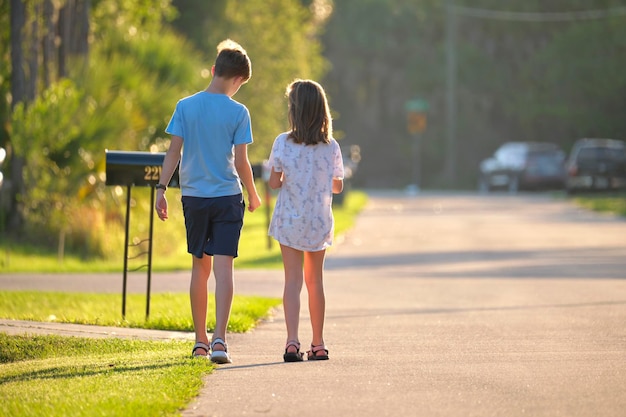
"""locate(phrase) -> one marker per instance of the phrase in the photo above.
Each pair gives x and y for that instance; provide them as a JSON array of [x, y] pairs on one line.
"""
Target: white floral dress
[[303, 217]]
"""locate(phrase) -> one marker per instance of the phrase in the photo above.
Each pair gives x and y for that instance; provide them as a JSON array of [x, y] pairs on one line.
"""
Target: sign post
[[416, 119]]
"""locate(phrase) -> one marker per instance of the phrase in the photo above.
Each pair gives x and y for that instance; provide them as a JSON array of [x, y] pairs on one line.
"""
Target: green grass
[[59, 376], [167, 311], [605, 203], [169, 245], [106, 377]]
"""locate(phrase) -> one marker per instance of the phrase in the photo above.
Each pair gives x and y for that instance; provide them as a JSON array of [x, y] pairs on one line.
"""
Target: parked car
[[596, 164], [524, 165]]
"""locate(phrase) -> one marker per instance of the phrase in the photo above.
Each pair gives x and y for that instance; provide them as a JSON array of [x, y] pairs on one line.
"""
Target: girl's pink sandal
[[293, 356], [317, 353]]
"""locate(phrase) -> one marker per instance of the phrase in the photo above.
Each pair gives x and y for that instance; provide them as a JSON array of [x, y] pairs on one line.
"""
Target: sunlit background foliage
[[106, 74]]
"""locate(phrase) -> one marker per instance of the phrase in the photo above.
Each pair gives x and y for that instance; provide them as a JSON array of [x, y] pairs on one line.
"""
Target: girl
[[307, 166]]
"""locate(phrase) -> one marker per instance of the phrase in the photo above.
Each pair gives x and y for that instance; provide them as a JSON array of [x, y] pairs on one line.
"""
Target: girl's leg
[[224, 289], [313, 276], [292, 263], [198, 293]]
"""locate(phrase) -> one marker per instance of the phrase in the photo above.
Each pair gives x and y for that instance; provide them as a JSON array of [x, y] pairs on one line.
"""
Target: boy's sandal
[[293, 356], [317, 353], [200, 345], [220, 356]]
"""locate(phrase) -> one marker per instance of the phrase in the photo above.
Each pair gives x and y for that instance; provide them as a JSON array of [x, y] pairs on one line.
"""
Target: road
[[453, 305]]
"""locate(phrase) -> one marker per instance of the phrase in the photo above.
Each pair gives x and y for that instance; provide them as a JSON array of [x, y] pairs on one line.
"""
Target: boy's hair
[[232, 61], [309, 114]]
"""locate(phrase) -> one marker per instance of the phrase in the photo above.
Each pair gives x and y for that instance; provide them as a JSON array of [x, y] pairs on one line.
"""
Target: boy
[[215, 131]]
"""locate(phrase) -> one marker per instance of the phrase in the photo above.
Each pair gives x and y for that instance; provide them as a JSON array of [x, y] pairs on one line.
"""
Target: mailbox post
[[143, 169]]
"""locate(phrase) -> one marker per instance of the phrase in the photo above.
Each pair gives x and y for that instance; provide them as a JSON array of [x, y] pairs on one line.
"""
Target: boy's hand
[[254, 202], [161, 206]]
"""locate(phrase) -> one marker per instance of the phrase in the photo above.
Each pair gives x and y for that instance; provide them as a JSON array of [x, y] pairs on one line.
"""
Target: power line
[[539, 16], [452, 14]]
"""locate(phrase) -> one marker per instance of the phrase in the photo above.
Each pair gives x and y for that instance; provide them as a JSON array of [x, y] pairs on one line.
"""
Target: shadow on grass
[[77, 370]]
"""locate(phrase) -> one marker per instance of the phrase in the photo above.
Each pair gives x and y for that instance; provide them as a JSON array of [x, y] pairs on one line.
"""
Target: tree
[[48, 48], [62, 130], [15, 185], [281, 38], [196, 19], [518, 77], [18, 76], [383, 53]]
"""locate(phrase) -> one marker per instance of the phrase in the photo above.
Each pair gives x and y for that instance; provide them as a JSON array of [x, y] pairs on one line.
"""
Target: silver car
[[523, 165]]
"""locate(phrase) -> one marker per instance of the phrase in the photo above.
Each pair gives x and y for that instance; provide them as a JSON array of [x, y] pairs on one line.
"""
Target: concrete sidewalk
[[447, 305]]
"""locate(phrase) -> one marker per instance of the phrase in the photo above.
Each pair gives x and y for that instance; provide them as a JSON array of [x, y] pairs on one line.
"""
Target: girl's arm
[[276, 179], [337, 185]]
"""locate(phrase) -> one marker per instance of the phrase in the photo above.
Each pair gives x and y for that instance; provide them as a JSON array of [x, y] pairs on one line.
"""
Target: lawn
[[168, 311], [606, 203], [69, 376], [107, 377]]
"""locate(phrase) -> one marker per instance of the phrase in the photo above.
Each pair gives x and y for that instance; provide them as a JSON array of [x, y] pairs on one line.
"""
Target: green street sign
[[417, 105]]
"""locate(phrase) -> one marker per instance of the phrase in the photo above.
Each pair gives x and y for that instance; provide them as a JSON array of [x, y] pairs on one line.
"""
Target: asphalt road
[[452, 305], [438, 305]]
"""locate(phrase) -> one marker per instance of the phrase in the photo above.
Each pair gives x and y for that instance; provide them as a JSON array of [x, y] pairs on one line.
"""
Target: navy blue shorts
[[213, 224]]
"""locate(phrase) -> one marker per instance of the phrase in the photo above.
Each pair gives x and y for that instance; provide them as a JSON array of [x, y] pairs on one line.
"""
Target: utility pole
[[450, 166]]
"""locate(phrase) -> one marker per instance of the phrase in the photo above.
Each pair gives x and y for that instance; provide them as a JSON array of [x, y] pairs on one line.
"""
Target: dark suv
[[523, 165], [597, 164]]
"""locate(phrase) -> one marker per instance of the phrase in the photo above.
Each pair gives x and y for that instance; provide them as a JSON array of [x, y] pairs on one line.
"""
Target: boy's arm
[[242, 165], [170, 162]]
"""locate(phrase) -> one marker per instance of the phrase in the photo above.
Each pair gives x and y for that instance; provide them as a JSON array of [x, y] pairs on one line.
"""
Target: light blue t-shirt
[[210, 125]]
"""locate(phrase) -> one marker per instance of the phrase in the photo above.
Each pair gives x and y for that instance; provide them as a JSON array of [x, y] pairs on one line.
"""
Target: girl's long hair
[[309, 114]]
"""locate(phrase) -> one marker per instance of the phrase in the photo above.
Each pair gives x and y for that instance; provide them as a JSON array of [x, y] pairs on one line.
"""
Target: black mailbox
[[257, 170], [136, 168]]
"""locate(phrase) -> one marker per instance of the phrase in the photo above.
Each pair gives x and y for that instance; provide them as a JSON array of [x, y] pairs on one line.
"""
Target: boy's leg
[[292, 263], [226, 223], [224, 290], [313, 276], [198, 294]]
